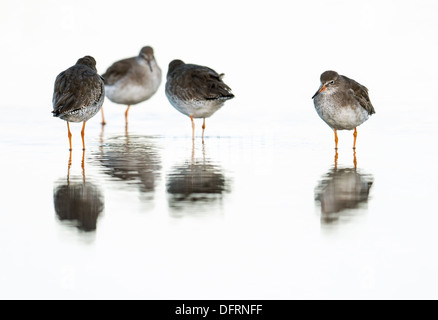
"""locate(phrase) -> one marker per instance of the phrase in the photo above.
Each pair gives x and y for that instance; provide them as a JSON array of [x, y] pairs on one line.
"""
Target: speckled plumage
[[79, 92], [342, 103], [194, 90]]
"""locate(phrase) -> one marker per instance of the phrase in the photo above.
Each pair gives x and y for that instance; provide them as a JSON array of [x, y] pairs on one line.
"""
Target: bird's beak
[[321, 89], [149, 64]]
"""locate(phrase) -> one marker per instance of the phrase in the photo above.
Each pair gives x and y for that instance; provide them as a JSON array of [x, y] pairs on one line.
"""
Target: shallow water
[[146, 215], [263, 209]]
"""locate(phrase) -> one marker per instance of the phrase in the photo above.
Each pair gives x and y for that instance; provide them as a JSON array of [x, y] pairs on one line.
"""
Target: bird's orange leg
[[193, 127], [336, 139], [203, 129], [69, 135], [355, 136], [103, 117], [336, 159], [82, 135], [126, 115]]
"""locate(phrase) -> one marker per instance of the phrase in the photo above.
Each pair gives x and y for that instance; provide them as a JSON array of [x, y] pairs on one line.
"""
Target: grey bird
[[78, 94], [342, 103], [196, 91], [132, 80]]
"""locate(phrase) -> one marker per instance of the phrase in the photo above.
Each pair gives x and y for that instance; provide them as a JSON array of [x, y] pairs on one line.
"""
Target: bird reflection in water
[[196, 186], [134, 160], [341, 190], [78, 201]]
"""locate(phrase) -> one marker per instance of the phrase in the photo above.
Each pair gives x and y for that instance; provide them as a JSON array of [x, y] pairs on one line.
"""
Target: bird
[[132, 80], [196, 91], [343, 103], [78, 94]]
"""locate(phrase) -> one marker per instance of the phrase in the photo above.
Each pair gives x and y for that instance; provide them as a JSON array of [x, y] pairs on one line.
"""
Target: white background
[[268, 243]]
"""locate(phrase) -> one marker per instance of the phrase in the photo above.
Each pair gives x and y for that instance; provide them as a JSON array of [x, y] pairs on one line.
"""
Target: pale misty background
[[266, 239], [271, 52]]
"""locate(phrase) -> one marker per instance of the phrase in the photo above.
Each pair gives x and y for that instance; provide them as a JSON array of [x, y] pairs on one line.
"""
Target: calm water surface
[[251, 213]]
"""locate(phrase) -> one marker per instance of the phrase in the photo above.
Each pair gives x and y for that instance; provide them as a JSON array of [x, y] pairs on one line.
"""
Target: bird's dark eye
[[332, 81]]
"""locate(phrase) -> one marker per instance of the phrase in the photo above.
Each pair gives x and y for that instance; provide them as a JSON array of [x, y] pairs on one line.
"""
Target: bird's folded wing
[[360, 93], [202, 84], [76, 88], [117, 71]]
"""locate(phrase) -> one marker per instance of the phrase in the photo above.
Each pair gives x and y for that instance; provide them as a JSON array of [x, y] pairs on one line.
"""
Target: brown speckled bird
[[78, 94], [342, 103], [196, 91]]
